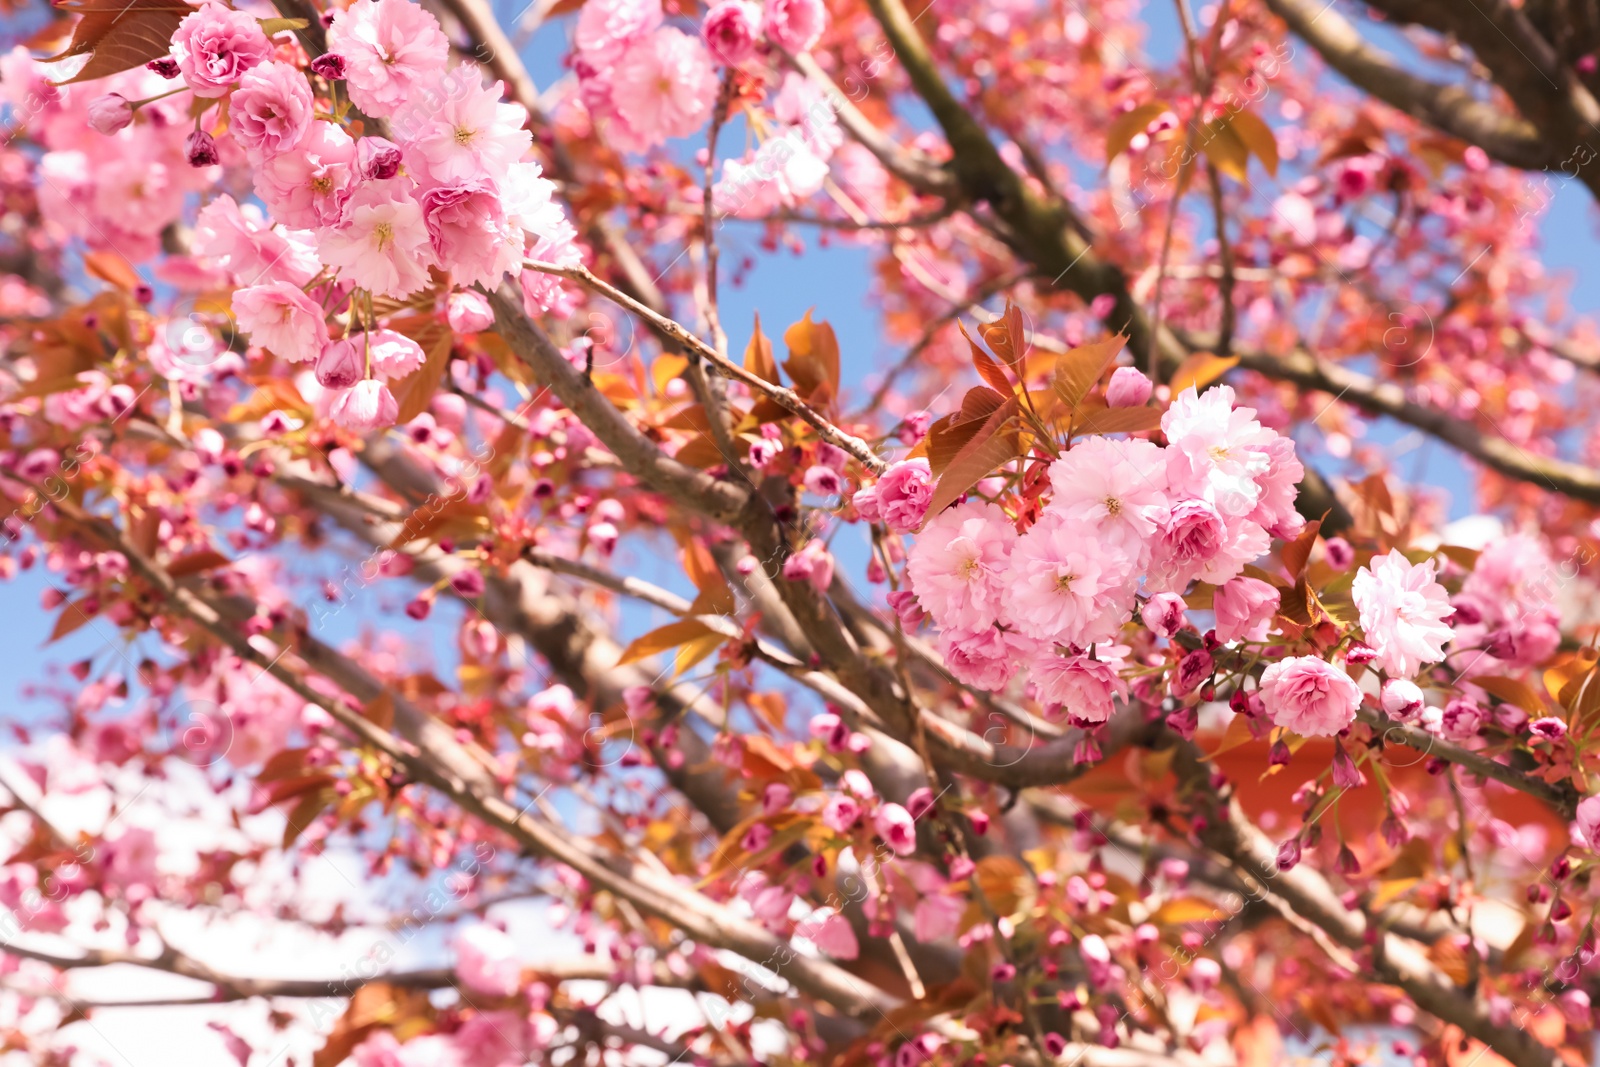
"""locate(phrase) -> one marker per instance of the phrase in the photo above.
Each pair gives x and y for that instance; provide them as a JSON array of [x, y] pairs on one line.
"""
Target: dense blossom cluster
[[1124, 516], [348, 218]]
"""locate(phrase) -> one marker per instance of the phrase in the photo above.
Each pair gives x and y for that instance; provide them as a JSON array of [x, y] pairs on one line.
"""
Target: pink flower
[[365, 407], [394, 355], [1163, 614], [1068, 586], [1402, 611], [938, 916], [215, 46], [281, 318], [393, 52], [470, 135], [958, 565], [812, 563], [605, 27], [1587, 824], [841, 813], [468, 312], [1118, 489], [340, 365], [1213, 450], [664, 85], [1460, 720], [831, 933], [1127, 388], [1244, 609], [794, 25], [903, 495], [898, 830], [1076, 686], [470, 233], [110, 113], [250, 250], [383, 245], [1195, 541], [308, 187], [486, 961], [1309, 696], [270, 112], [730, 30], [1401, 699], [986, 658], [1279, 486]]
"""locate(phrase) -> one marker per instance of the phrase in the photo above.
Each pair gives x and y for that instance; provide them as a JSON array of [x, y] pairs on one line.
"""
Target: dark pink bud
[[329, 65], [166, 66], [468, 583], [201, 148]]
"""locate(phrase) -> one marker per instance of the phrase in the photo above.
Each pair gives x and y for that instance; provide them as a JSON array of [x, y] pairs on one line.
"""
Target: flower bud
[[1127, 388], [1400, 699], [377, 158], [1338, 553], [329, 65], [110, 113], [339, 366], [201, 148], [166, 66], [1163, 614]]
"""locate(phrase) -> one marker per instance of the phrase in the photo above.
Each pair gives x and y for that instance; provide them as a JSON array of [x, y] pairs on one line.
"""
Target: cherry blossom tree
[[1083, 683]]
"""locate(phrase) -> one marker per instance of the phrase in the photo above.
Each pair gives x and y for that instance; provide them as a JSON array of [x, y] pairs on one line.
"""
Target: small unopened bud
[[110, 113], [339, 366], [166, 66]]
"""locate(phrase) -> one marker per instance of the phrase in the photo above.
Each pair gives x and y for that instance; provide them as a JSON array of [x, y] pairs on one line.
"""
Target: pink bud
[[1128, 388], [339, 366], [1163, 614], [201, 149], [110, 113]]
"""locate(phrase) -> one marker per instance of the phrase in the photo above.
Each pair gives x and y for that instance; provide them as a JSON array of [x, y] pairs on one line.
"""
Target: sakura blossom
[[1403, 612]]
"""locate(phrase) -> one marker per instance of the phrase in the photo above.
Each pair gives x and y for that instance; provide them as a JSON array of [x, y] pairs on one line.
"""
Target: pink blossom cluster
[[643, 83], [348, 218], [791, 164], [109, 176], [1127, 519]]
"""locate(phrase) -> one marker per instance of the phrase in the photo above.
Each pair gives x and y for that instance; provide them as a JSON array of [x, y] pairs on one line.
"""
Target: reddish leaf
[[1079, 369], [1118, 420], [415, 391], [758, 355], [993, 445], [120, 34], [197, 563], [988, 369]]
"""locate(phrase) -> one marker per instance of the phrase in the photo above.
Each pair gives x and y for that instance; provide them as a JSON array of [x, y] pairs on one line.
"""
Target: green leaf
[[276, 26]]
